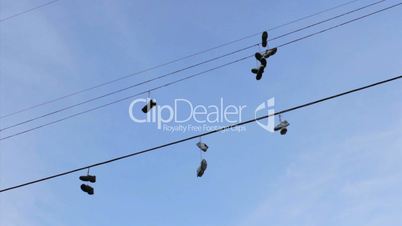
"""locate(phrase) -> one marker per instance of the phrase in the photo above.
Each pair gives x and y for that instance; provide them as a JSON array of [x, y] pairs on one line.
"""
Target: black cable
[[122, 99], [342, 24], [27, 11], [191, 76], [327, 20], [203, 134], [180, 70], [309, 16], [124, 89], [173, 61]]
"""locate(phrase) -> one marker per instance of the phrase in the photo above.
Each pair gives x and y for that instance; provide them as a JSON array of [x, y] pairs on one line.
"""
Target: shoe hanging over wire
[[202, 146], [282, 127], [151, 103], [258, 72], [88, 189], [88, 178], [201, 169], [262, 57], [264, 39]]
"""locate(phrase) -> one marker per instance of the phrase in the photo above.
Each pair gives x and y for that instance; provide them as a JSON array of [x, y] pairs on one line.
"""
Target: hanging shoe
[[89, 178], [202, 168], [259, 73], [149, 106], [264, 37], [258, 56], [202, 146], [263, 62], [88, 189], [282, 127], [270, 52]]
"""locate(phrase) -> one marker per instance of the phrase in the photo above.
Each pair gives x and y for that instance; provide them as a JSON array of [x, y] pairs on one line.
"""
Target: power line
[[327, 20], [126, 88], [342, 24], [203, 134], [176, 60], [28, 10], [122, 99], [191, 76], [181, 70], [310, 16]]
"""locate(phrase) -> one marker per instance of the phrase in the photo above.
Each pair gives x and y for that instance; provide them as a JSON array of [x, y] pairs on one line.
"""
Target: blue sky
[[339, 164]]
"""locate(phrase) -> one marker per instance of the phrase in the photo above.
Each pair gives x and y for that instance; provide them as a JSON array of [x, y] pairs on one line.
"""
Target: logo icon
[[266, 106]]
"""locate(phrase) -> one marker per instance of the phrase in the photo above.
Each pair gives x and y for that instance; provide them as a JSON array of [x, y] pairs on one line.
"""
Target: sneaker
[[263, 62], [282, 127], [264, 38], [89, 178], [202, 146], [202, 168], [270, 52], [258, 56], [260, 72], [149, 106], [88, 189]]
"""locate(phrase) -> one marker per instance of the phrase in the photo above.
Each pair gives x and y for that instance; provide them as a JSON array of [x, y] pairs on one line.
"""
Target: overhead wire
[[192, 76], [122, 99], [125, 88], [182, 69], [342, 24], [205, 134], [27, 11], [176, 60]]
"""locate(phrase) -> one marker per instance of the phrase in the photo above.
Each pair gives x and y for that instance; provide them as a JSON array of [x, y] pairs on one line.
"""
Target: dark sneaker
[[263, 62], [202, 168], [264, 37], [254, 70], [89, 178], [260, 72], [149, 106], [88, 189], [270, 52], [258, 56]]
